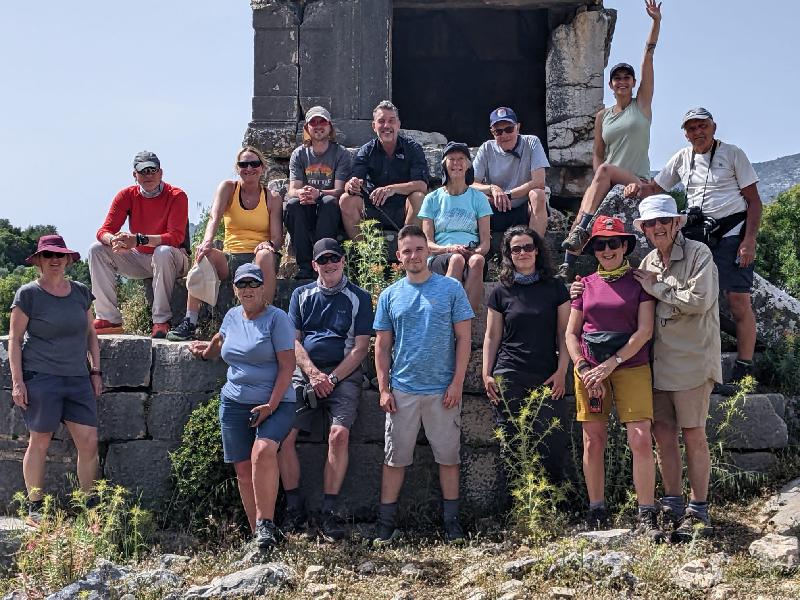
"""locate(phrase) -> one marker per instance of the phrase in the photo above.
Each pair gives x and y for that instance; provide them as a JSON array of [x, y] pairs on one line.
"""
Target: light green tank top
[[627, 138]]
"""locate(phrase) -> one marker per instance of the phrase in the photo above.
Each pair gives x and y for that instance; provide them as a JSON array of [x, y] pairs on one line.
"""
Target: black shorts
[[391, 214], [732, 277], [440, 262], [500, 221]]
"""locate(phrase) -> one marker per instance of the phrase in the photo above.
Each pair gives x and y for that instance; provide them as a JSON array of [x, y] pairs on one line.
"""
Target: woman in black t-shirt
[[524, 342]]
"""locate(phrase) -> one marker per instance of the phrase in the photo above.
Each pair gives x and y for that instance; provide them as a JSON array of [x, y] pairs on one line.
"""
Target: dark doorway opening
[[451, 68]]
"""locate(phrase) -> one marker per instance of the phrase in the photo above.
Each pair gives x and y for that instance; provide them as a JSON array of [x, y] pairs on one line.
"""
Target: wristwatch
[[618, 359], [142, 239], [333, 379]]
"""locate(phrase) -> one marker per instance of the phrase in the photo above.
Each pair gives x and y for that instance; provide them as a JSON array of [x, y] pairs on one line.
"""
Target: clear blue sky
[[88, 84]]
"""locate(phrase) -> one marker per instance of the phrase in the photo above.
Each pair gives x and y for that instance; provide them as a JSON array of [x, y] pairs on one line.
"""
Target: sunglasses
[[328, 258], [248, 283], [317, 122], [613, 243], [253, 164], [496, 131], [523, 248], [51, 254], [652, 222], [148, 171]]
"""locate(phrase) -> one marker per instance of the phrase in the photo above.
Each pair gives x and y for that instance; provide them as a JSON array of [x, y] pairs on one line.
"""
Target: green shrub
[[9, 284], [367, 262], [206, 493], [779, 365], [132, 302], [778, 253]]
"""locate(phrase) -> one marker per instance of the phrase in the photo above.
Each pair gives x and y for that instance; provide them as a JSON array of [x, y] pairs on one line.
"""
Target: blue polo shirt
[[406, 164]]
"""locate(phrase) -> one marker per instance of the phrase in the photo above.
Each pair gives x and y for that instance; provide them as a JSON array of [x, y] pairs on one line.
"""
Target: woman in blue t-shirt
[[455, 219], [257, 406]]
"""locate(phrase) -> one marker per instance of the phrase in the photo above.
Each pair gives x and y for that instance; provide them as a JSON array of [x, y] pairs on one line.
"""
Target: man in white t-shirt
[[727, 193]]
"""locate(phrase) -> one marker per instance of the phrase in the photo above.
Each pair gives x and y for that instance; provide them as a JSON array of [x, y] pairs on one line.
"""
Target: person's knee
[[265, 259], [288, 444], [476, 262], [244, 472], [86, 442], [416, 198], [594, 441], [161, 256], [740, 306], [264, 452], [456, 263], [339, 437], [292, 206], [695, 438], [603, 174], [350, 204], [96, 249], [39, 442], [640, 439], [536, 198]]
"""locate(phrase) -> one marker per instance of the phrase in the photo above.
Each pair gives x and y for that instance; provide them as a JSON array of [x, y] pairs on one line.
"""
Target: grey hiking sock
[[387, 512], [597, 505], [699, 508], [674, 504], [450, 508], [647, 508]]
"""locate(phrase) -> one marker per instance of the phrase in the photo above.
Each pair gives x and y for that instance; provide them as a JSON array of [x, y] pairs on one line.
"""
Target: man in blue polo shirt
[[333, 322], [390, 177], [422, 327], [510, 170]]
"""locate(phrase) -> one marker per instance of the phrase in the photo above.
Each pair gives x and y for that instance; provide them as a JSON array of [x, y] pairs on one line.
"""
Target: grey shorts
[[442, 428], [341, 407], [732, 277], [53, 399]]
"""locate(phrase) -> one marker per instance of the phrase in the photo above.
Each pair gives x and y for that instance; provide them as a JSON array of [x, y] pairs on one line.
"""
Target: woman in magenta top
[[608, 338]]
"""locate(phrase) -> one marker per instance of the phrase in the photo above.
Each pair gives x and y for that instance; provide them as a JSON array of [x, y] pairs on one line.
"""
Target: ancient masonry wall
[[153, 385]]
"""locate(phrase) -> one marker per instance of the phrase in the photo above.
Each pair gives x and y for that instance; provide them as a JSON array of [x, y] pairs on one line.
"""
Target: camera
[[472, 245], [699, 226], [595, 405]]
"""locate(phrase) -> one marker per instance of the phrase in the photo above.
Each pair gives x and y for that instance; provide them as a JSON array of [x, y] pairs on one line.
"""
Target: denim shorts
[[53, 399], [237, 435]]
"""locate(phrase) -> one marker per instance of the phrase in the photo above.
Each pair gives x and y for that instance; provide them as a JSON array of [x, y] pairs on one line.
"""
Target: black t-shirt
[[530, 324]]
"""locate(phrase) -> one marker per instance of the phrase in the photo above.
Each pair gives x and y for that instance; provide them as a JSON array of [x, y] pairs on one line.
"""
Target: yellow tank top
[[245, 229]]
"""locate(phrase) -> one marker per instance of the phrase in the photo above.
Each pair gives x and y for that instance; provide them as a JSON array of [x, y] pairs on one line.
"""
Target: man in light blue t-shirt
[[422, 325]]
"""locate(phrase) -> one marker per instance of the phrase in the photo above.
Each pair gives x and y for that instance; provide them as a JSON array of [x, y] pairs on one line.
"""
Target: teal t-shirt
[[455, 218], [421, 318]]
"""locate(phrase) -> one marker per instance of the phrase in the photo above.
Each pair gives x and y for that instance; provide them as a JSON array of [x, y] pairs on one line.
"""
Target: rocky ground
[[753, 554]]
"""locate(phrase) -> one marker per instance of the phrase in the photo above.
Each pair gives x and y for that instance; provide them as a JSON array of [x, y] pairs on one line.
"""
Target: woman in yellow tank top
[[253, 232]]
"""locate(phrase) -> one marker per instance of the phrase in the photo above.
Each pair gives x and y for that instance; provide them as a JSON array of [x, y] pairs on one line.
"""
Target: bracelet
[[95, 372], [583, 366]]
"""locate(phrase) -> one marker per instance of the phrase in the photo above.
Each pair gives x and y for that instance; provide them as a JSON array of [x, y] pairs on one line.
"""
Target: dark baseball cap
[[327, 246], [248, 271], [696, 113], [456, 147], [145, 159], [621, 67], [502, 113]]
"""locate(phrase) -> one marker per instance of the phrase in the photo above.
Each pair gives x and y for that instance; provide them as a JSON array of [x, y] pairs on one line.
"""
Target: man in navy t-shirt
[[422, 327], [332, 318]]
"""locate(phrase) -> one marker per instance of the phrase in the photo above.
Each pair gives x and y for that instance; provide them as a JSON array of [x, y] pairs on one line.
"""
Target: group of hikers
[[644, 340]]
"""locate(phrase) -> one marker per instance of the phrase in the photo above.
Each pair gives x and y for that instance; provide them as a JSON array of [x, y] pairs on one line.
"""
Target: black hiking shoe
[[740, 370], [295, 520], [386, 533], [692, 525], [184, 332], [597, 519], [453, 533], [330, 529], [267, 534], [648, 526]]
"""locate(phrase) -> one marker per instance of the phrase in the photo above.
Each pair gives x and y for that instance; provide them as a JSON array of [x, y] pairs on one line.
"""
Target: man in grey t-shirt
[[510, 170], [317, 172]]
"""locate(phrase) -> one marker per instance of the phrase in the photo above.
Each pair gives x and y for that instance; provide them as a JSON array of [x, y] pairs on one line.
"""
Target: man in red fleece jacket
[[156, 246]]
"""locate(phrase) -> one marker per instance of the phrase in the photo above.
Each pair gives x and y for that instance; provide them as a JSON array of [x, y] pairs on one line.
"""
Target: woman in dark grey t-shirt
[[50, 337]]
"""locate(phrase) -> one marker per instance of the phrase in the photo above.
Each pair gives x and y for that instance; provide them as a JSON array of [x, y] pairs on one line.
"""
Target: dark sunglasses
[[328, 258], [51, 254], [253, 164], [652, 222], [613, 243], [496, 131], [248, 283], [148, 171], [523, 248]]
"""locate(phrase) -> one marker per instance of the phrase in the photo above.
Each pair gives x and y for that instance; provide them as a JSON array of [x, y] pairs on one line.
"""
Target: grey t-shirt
[[508, 170], [55, 340], [320, 171]]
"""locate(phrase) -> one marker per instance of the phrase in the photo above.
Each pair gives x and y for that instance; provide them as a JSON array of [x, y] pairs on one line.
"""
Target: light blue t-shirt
[[455, 218], [421, 318], [249, 348]]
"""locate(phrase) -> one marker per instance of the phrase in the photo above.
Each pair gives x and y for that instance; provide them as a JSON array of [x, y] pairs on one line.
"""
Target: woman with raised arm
[[253, 220], [621, 140]]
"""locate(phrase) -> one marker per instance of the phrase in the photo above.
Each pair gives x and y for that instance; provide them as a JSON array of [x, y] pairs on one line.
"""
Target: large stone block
[[125, 360], [569, 182], [11, 421], [5, 369], [758, 462], [121, 416], [277, 139], [480, 479], [477, 422], [369, 425], [760, 428], [275, 72], [143, 467], [169, 413], [60, 464], [176, 370]]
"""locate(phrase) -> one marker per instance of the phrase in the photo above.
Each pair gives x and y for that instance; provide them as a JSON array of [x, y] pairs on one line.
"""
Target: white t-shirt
[[721, 194]]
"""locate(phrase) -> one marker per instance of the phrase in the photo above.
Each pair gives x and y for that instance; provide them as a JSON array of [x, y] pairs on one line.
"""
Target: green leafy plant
[[779, 365], [778, 255], [132, 302], [9, 284], [367, 262]]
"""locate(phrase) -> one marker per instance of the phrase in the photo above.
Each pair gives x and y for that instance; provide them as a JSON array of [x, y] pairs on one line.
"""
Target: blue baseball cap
[[248, 271], [502, 113]]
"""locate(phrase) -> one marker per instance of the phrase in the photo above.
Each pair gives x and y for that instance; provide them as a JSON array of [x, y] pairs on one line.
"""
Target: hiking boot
[[295, 520], [330, 529], [576, 239], [740, 371], [565, 273], [386, 533], [103, 327], [34, 513], [160, 330], [183, 332], [267, 534], [597, 519], [692, 525], [453, 533], [648, 526]]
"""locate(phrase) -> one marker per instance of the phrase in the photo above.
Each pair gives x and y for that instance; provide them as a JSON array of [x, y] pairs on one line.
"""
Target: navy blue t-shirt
[[406, 164], [330, 323]]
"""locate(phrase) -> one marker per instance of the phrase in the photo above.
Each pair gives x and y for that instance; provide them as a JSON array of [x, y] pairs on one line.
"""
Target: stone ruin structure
[[445, 63]]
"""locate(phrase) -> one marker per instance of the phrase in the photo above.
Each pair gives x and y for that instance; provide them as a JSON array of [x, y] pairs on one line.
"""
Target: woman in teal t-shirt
[[455, 219]]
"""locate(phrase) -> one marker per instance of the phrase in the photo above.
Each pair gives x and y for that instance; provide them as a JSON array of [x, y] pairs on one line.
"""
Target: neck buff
[[526, 279], [154, 193], [614, 274], [330, 291]]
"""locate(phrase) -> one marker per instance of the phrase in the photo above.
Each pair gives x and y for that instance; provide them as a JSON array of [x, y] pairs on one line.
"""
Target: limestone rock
[[411, 571], [249, 582], [150, 581], [781, 514], [174, 562], [755, 462], [11, 421], [760, 428], [321, 589], [510, 589], [562, 593], [776, 549], [367, 568], [476, 594], [314, 573], [176, 370], [700, 573], [120, 416], [425, 138], [142, 466], [11, 530], [607, 537], [169, 413], [722, 592], [96, 583], [519, 568], [125, 360]]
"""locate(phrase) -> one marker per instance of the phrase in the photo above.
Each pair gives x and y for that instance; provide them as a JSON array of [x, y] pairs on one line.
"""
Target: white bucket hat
[[658, 205], [202, 282]]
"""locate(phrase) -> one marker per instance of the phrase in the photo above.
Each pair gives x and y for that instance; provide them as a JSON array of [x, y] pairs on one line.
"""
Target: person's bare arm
[[536, 183], [383, 361], [558, 379], [484, 236], [295, 187], [275, 206], [491, 344], [462, 331], [93, 347], [644, 95], [222, 200], [352, 361], [286, 365], [322, 386], [429, 229], [16, 333], [747, 248], [642, 189]]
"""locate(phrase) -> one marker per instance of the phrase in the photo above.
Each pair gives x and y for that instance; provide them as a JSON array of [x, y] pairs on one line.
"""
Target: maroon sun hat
[[53, 243]]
